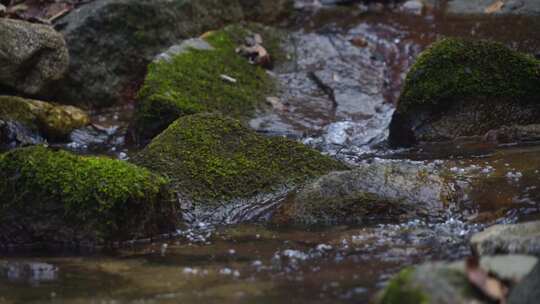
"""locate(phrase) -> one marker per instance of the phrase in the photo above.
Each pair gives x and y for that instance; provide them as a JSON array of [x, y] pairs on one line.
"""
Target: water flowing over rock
[[31, 56]]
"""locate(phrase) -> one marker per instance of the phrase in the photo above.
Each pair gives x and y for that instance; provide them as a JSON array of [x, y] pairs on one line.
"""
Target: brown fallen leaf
[[489, 285], [494, 7]]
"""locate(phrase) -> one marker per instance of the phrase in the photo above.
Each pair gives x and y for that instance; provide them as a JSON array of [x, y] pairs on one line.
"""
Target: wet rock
[[465, 88], [217, 164], [447, 282], [26, 121], [499, 239], [31, 56], [334, 85], [380, 190], [111, 42], [193, 80], [58, 198], [2, 10]]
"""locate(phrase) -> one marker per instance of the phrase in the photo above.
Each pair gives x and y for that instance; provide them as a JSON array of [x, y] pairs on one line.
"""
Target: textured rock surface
[[383, 190], [31, 56]]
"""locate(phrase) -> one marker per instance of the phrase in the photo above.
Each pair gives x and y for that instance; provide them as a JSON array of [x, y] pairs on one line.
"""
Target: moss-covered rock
[[50, 120], [191, 82], [211, 158], [441, 282], [463, 88], [55, 196], [126, 34]]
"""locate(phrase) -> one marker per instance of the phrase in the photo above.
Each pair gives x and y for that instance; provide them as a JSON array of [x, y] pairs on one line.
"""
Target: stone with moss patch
[[211, 158], [463, 88], [51, 120], [58, 197], [442, 282], [191, 82]]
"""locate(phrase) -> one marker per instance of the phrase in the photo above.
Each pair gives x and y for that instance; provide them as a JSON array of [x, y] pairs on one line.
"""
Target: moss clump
[[80, 198], [191, 83], [399, 290], [455, 69], [212, 158]]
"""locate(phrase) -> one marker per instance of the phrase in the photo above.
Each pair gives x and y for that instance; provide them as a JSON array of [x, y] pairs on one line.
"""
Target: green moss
[[399, 290], [455, 69], [99, 198], [190, 83], [210, 157], [17, 109]]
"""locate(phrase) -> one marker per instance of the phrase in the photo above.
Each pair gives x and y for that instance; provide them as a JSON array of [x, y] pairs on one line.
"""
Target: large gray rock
[[376, 190], [112, 41], [520, 238], [31, 56]]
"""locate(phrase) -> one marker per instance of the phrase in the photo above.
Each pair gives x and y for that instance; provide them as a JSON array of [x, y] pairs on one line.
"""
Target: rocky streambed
[[313, 178]]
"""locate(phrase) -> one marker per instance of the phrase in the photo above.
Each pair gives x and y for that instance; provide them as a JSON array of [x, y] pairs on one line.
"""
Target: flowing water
[[340, 93]]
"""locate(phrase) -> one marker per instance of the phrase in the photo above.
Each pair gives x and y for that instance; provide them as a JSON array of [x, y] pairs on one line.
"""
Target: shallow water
[[341, 264]]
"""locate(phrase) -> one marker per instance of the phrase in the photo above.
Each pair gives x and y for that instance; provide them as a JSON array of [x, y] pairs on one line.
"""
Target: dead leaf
[[495, 7], [489, 285]]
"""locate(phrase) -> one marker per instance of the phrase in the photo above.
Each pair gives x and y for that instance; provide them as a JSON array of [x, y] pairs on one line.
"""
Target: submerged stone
[[55, 197], [465, 88], [212, 159], [196, 77]]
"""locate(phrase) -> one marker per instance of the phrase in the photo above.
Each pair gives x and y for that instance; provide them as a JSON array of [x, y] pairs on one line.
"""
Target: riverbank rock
[[465, 88], [213, 161], [447, 282], [28, 121], [379, 190], [55, 197], [203, 75], [111, 42], [521, 238], [31, 56]]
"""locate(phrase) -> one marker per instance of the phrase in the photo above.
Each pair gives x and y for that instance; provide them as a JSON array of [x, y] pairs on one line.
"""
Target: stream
[[349, 65]]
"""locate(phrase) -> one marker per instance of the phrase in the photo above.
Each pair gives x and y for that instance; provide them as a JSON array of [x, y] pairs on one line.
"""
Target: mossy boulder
[[441, 282], [37, 119], [112, 41], [191, 82], [465, 88], [212, 159], [57, 197]]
